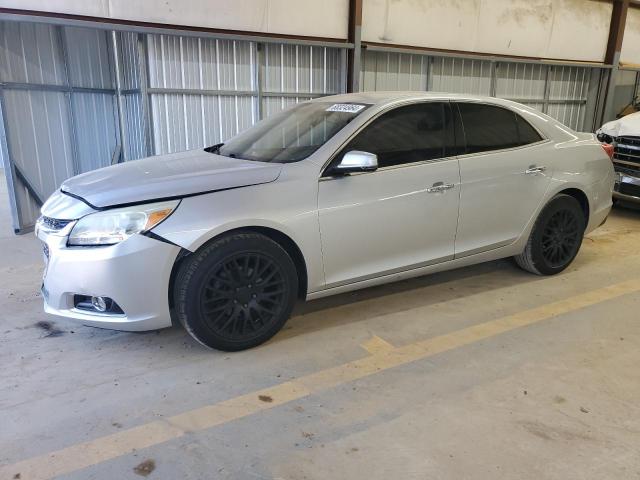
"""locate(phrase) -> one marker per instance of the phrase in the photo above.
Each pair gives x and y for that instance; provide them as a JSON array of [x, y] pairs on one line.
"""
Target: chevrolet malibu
[[332, 195]]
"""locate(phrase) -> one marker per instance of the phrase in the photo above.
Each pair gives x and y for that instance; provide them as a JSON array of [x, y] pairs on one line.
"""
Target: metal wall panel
[[568, 88], [129, 62], [296, 70], [559, 91], [459, 75], [39, 137], [54, 132], [135, 143], [302, 69], [89, 58], [200, 63], [96, 133], [31, 53], [183, 121], [522, 82], [393, 71]]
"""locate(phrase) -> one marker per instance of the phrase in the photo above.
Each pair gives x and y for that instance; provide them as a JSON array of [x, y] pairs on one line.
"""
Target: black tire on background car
[[236, 292], [556, 237]]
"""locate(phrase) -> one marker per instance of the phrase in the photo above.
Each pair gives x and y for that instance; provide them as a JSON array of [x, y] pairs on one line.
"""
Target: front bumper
[[627, 187], [134, 273]]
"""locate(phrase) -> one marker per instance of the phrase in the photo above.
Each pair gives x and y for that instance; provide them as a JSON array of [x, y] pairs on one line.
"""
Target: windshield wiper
[[214, 148]]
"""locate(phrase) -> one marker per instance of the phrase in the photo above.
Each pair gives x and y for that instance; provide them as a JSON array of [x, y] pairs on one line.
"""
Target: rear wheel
[[236, 292], [556, 237]]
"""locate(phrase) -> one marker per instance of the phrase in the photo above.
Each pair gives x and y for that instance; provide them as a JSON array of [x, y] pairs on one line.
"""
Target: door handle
[[440, 187], [533, 170]]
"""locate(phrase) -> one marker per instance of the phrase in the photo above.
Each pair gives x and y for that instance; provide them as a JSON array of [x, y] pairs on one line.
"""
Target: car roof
[[383, 98]]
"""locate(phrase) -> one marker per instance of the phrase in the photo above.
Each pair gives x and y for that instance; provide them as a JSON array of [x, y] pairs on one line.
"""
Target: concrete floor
[[548, 390]]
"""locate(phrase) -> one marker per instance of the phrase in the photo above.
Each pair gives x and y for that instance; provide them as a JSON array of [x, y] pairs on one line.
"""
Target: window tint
[[527, 133], [487, 127], [406, 134]]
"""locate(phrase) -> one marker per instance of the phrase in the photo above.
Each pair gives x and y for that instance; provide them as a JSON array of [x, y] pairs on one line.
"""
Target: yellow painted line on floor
[[105, 448], [376, 345]]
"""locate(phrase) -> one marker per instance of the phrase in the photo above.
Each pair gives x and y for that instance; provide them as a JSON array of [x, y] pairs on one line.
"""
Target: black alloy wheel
[[236, 292], [242, 295], [556, 237], [561, 238]]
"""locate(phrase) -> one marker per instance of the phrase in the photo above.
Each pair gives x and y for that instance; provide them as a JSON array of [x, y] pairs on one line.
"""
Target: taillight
[[609, 149]]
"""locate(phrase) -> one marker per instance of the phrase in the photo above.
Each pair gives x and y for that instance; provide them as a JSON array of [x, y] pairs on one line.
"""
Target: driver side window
[[408, 134]]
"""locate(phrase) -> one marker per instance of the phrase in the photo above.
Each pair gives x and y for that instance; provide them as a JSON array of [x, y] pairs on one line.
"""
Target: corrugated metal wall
[[58, 108], [77, 99], [557, 90], [204, 91]]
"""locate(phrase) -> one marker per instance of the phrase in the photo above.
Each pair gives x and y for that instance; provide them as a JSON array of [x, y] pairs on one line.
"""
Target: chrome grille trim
[[626, 153]]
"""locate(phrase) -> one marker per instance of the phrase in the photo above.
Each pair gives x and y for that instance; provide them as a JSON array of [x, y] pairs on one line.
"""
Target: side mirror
[[356, 161]]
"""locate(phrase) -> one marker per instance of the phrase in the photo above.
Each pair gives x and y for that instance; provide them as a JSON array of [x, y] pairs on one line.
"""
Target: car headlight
[[113, 226]]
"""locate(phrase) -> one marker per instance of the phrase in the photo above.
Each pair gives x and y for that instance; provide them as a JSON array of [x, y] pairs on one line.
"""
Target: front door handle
[[440, 187], [534, 170]]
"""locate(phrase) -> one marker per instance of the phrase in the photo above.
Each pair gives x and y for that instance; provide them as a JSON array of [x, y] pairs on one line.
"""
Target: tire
[[556, 237], [236, 292]]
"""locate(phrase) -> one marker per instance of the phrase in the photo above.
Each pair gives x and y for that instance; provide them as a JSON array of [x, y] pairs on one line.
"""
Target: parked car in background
[[623, 135], [332, 195]]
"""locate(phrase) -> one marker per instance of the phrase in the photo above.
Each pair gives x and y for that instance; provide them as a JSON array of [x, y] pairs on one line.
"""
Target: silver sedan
[[332, 195]]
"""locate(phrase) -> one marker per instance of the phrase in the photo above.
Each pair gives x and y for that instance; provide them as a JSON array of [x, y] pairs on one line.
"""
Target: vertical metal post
[[354, 55], [260, 71], [9, 168], [143, 75], [429, 82], [612, 55], [547, 89], [72, 120], [493, 72], [119, 102]]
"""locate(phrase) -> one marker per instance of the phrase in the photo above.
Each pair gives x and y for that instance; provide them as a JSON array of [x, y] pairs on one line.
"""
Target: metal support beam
[[260, 75], [354, 54], [121, 148], [547, 89], [9, 167], [72, 120], [143, 76], [27, 184], [612, 55]]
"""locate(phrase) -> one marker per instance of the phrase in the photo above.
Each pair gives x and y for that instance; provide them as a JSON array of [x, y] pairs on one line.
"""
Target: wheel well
[[280, 238], [582, 199]]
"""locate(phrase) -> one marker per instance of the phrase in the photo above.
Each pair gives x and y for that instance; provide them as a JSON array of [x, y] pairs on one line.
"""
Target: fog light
[[99, 303]]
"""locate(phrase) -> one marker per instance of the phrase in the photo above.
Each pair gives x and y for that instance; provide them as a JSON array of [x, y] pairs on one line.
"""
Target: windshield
[[291, 135]]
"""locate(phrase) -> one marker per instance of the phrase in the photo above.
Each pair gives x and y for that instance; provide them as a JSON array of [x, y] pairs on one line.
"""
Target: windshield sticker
[[345, 107]]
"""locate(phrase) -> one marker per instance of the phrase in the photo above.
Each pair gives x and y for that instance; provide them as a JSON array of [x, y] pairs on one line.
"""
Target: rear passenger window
[[527, 133], [488, 127]]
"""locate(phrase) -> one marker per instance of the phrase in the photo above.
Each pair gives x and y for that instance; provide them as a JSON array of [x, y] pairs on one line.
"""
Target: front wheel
[[556, 237], [236, 292]]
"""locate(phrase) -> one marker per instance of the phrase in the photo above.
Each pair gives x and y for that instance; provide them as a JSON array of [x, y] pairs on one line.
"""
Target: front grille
[[628, 189], [55, 223], [626, 152]]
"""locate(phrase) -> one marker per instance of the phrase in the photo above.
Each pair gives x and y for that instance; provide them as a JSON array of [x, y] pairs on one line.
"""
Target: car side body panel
[[288, 206]]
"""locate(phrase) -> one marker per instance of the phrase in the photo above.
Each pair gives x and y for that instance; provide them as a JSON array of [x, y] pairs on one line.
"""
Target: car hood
[[167, 176], [627, 125]]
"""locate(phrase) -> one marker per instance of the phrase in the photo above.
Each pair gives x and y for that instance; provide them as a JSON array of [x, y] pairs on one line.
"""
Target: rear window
[[488, 127]]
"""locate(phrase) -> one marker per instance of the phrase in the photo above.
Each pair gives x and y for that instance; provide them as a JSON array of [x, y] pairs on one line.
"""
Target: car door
[[404, 214], [504, 176]]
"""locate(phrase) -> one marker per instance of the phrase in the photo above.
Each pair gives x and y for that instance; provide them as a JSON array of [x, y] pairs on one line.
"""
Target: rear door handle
[[440, 187], [533, 170]]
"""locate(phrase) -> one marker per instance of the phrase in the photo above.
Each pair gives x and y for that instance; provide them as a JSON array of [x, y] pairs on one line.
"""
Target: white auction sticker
[[345, 107]]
